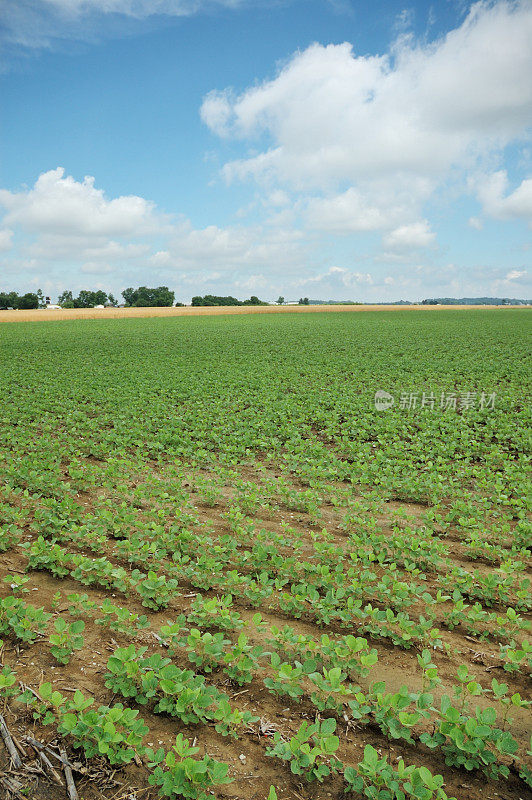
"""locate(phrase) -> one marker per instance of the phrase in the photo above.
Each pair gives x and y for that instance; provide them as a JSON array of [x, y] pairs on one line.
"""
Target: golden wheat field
[[42, 314]]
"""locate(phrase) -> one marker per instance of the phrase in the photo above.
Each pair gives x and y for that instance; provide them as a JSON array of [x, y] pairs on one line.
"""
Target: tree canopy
[[216, 300], [145, 297]]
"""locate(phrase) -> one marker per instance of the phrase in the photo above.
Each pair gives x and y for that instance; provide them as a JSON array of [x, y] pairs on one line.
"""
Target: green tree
[[9, 300], [65, 299], [89, 299], [28, 300], [228, 300], [128, 295], [145, 296], [280, 300], [303, 301], [99, 298], [84, 299]]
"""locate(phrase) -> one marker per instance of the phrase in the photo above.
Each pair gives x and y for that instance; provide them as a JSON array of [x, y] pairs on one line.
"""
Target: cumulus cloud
[[516, 274], [345, 213], [61, 205], [65, 224], [410, 237], [6, 239], [234, 247], [498, 203], [377, 135], [332, 114], [340, 144], [336, 276]]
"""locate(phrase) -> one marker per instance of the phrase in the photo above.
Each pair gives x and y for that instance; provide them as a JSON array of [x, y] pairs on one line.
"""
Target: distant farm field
[[209, 531], [49, 315]]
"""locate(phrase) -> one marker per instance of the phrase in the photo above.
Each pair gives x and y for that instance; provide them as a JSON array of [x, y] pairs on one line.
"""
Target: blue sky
[[336, 150]]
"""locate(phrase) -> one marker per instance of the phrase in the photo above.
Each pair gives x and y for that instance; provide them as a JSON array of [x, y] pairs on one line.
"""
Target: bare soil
[[252, 772]]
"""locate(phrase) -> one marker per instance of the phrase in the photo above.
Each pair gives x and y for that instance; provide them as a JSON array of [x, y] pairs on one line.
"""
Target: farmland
[[224, 570], [49, 315]]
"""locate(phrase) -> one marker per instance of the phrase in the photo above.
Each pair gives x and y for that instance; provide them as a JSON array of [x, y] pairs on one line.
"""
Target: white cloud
[[476, 223], [341, 144], [515, 274], [96, 268], [232, 248], [161, 258], [136, 8], [348, 212], [336, 276], [497, 203], [6, 237], [253, 283], [62, 205], [34, 24], [410, 237], [216, 112], [61, 221], [378, 135], [278, 198], [333, 115]]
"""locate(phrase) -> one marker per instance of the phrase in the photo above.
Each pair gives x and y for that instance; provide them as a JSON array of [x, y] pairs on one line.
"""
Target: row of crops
[[225, 572]]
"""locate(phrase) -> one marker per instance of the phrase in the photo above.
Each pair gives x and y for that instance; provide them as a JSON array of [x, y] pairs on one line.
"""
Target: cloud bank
[[37, 24], [337, 147], [377, 135]]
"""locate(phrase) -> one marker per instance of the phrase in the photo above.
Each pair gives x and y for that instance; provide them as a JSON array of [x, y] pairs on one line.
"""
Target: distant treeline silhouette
[[144, 296]]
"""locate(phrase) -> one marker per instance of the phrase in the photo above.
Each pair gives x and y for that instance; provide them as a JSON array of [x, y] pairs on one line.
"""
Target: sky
[[330, 149]]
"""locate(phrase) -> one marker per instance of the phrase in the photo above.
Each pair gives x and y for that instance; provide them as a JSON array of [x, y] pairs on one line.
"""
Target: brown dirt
[[254, 773]]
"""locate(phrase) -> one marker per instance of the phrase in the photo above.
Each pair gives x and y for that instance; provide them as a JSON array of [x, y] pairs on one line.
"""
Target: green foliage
[[179, 774], [374, 778], [215, 300], [373, 503], [66, 639], [242, 660], [144, 296], [23, 620], [120, 619], [155, 590], [28, 301], [205, 649], [311, 751], [215, 613], [17, 583], [8, 680], [85, 299], [171, 690], [111, 731], [114, 732], [471, 742], [9, 535]]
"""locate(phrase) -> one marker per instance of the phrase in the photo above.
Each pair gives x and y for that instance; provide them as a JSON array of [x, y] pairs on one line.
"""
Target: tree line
[[142, 297], [216, 300], [23, 302]]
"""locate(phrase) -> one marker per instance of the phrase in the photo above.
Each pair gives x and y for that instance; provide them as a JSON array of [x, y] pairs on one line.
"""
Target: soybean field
[[266, 556]]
